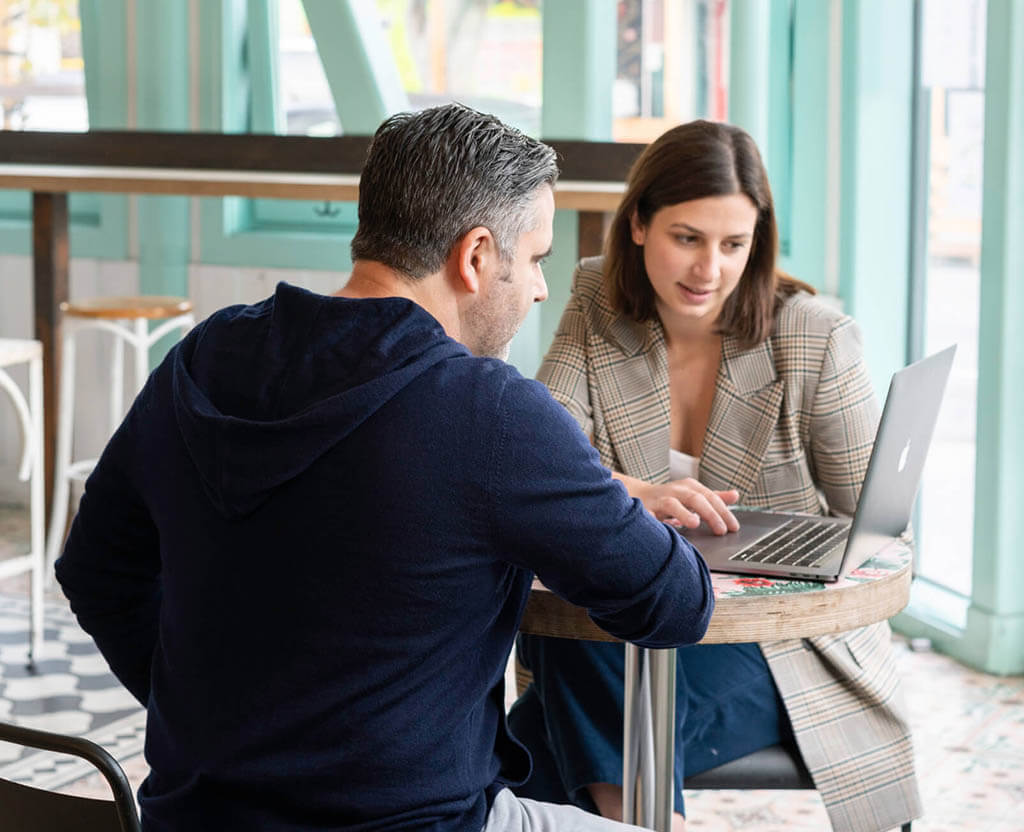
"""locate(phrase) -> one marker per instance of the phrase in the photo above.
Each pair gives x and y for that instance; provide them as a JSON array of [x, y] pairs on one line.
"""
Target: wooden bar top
[[574, 195]]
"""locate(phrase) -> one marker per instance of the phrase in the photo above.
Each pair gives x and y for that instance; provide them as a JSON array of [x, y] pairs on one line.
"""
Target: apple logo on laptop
[[903, 458]]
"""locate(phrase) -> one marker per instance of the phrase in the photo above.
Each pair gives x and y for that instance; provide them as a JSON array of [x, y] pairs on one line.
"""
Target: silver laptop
[[826, 548]]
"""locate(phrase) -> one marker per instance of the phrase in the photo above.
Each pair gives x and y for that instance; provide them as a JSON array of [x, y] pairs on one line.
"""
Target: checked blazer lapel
[[631, 364], [744, 413]]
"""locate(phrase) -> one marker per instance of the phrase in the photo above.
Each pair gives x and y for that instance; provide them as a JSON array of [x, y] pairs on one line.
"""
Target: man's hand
[[685, 503]]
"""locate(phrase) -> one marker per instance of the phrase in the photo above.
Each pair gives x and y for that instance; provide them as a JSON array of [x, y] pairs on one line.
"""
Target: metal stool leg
[[61, 482], [37, 506]]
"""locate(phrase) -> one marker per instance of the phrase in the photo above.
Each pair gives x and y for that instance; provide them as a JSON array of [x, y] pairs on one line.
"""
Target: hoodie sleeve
[[110, 567], [558, 512]]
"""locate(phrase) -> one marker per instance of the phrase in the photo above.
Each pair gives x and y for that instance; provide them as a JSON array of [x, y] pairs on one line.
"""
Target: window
[[42, 78], [951, 128], [672, 65], [43, 84]]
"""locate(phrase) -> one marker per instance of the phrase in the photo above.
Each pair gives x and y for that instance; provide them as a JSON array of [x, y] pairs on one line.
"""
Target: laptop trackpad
[[752, 528]]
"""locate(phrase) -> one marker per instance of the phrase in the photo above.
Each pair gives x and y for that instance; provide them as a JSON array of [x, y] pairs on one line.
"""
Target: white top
[[682, 465]]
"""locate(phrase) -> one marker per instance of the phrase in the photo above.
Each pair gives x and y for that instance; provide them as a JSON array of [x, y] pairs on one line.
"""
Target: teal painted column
[[750, 69], [162, 90], [994, 638], [877, 88], [579, 71], [804, 254]]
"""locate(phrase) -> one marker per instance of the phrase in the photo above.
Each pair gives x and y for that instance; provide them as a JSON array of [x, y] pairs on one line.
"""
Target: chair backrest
[[30, 809]]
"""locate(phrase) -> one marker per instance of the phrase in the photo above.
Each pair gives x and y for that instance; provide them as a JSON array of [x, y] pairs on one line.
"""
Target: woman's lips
[[694, 295]]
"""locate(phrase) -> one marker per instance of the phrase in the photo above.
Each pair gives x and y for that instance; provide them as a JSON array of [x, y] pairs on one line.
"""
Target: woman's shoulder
[[591, 292], [588, 279], [808, 329], [803, 313]]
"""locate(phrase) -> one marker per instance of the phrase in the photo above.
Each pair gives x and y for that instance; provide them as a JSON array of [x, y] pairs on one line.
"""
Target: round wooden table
[[747, 609], [760, 609]]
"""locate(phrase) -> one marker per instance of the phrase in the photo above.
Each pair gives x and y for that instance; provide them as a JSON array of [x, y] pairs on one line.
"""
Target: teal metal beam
[[357, 60]]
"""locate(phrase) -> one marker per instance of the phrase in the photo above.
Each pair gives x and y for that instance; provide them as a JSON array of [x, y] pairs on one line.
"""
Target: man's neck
[[370, 279]]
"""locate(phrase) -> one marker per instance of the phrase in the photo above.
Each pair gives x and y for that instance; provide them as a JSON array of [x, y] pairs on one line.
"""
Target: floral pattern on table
[[890, 560]]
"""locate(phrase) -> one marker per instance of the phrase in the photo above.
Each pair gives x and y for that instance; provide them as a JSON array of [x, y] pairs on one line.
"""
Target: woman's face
[[695, 253]]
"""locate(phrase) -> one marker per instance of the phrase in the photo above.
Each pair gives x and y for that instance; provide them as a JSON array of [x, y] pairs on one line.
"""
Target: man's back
[[327, 515]]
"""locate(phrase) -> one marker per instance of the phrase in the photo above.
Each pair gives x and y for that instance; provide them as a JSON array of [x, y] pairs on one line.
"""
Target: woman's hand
[[685, 503]]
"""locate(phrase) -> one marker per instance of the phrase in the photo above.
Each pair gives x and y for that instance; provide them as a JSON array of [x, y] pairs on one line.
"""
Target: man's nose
[[541, 292]]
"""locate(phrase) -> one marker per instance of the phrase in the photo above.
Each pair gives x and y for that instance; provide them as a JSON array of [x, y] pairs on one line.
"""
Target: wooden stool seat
[[124, 308], [19, 351]]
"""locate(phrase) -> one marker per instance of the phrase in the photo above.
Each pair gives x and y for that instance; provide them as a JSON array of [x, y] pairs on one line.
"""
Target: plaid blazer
[[791, 428]]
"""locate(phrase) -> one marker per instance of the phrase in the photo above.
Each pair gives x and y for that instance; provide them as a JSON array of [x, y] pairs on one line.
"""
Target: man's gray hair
[[432, 176]]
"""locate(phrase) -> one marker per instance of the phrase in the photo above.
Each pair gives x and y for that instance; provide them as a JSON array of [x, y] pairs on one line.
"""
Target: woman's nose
[[710, 263]]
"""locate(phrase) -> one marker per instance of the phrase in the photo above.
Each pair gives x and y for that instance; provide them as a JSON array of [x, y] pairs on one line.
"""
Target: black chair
[[29, 809], [776, 767]]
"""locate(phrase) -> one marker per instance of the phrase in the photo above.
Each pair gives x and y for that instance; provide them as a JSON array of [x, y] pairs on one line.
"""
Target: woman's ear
[[636, 228]]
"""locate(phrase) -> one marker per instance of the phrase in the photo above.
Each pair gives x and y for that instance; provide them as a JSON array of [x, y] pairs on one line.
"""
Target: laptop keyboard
[[796, 543]]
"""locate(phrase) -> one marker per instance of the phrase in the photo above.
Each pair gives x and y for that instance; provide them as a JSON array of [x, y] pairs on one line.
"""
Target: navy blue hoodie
[[307, 550]]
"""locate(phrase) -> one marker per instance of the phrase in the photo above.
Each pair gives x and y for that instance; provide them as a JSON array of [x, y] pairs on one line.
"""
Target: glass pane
[[434, 41], [304, 96], [42, 80], [953, 86], [672, 67]]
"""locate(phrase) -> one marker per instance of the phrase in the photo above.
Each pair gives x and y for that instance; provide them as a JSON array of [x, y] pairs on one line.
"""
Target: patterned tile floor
[[969, 728]]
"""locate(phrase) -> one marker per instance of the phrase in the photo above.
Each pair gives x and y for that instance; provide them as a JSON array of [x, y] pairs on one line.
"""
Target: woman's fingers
[[670, 510], [709, 506]]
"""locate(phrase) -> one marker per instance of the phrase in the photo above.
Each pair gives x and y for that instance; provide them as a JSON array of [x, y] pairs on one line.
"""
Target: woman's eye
[[735, 245], [686, 239]]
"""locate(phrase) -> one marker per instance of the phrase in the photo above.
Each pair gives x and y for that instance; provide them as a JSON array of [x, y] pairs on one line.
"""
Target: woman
[[704, 376]]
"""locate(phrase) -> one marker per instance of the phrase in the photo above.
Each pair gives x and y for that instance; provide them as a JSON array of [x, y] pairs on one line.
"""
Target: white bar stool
[[30, 417], [127, 319]]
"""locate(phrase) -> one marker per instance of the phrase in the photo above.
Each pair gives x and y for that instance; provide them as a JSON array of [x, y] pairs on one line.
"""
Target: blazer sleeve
[[564, 370], [844, 417]]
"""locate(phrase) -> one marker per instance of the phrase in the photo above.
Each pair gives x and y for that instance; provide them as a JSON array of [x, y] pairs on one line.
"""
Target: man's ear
[[636, 228], [475, 254]]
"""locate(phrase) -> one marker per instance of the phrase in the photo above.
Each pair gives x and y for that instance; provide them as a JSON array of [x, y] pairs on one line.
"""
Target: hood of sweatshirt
[[262, 392]]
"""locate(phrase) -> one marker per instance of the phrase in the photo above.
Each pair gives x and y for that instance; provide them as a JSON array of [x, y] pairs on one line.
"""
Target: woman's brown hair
[[692, 161]]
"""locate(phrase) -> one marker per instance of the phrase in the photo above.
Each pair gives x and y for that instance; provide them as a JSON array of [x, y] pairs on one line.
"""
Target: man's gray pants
[[512, 814]]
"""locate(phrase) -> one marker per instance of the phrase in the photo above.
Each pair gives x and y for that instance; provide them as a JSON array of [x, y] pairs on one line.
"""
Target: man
[[308, 547]]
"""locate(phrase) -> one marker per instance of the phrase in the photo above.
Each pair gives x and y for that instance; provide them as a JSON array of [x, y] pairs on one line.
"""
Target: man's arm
[[110, 568], [557, 511]]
